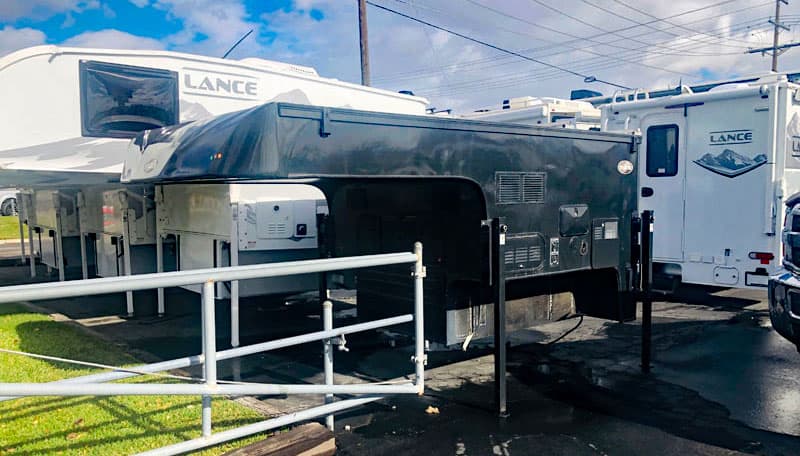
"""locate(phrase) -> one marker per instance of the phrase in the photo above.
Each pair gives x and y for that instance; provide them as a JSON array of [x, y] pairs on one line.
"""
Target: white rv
[[715, 167], [544, 111], [68, 115]]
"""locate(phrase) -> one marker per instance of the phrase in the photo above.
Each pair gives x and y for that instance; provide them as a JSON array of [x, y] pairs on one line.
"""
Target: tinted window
[[120, 100], [662, 151]]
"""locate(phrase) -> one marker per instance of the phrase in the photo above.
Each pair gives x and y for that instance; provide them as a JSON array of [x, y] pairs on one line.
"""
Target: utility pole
[[776, 32], [776, 49], [362, 31]]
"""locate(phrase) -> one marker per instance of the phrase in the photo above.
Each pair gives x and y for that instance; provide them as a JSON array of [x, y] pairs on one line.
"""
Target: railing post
[[420, 359], [209, 351], [327, 325], [647, 295], [498, 242]]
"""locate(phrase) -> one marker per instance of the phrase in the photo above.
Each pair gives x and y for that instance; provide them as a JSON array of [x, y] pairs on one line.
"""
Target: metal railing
[[96, 384]]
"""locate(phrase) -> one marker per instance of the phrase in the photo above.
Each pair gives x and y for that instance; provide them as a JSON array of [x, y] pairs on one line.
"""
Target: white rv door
[[662, 170]]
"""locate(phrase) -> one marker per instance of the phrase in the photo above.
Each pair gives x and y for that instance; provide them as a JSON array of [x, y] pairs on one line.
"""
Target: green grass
[[91, 425], [9, 228]]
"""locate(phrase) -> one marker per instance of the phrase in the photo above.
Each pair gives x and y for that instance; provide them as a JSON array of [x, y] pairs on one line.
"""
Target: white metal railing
[[96, 384]]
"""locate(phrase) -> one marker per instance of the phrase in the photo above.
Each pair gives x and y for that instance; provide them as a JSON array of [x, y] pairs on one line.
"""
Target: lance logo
[[220, 84], [730, 163]]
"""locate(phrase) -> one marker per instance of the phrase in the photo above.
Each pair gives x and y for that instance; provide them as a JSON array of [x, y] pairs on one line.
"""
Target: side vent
[[516, 188]]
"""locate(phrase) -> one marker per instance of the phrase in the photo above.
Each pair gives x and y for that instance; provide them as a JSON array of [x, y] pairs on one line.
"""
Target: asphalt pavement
[[723, 382]]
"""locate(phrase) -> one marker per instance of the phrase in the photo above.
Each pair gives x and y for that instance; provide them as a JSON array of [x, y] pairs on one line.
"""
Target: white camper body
[[715, 167], [237, 224], [545, 111], [69, 113]]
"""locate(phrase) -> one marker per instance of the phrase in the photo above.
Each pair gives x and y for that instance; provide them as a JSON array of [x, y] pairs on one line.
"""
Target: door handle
[[647, 192]]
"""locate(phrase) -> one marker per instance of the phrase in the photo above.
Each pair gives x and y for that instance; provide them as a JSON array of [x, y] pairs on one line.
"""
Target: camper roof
[[262, 64]]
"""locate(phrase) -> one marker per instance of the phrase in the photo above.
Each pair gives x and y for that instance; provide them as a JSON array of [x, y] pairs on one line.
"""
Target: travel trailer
[[546, 112], [69, 113], [715, 169], [391, 180]]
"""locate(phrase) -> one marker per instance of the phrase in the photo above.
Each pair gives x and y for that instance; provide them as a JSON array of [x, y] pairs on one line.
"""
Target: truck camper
[[69, 113], [568, 198], [544, 111], [715, 170]]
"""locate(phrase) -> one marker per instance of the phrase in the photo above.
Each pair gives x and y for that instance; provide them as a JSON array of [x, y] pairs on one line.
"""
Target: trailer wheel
[[8, 207]]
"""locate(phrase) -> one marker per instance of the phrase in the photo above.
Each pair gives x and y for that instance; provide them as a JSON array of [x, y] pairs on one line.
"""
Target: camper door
[[661, 180]]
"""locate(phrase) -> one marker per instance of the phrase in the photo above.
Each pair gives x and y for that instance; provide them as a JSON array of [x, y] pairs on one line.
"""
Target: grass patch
[[91, 425], [9, 228]]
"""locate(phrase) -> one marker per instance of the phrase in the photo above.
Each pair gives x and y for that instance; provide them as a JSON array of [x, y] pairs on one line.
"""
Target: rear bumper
[[784, 305]]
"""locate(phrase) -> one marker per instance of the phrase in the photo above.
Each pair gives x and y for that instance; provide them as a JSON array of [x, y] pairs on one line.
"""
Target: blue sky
[[452, 72]]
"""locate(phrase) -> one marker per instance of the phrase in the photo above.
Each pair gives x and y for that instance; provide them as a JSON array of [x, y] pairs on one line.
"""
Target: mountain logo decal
[[729, 163]]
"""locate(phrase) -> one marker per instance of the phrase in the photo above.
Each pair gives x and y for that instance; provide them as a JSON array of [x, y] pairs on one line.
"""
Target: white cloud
[[11, 10], [454, 72], [12, 39], [140, 3], [210, 26], [113, 39]]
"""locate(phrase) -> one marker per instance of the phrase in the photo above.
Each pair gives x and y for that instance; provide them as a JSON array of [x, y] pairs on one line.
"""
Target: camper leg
[[32, 255], [126, 256], [647, 296], [234, 252], [22, 256], [322, 225], [59, 247], [498, 241], [84, 261]]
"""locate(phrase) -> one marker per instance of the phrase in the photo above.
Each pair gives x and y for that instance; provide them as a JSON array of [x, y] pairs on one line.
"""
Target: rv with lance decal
[[715, 168]]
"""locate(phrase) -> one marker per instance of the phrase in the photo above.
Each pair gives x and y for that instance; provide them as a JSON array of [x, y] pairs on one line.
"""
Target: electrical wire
[[486, 62], [567, 332], [638, 10], [497, 48], [592, 64], [612, 32]]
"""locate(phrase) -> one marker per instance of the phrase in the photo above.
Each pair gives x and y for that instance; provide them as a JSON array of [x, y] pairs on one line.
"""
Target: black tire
[[9, 207]]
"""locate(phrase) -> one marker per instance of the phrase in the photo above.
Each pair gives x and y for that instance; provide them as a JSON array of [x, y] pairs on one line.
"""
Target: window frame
[[85, 66], [677, 149]]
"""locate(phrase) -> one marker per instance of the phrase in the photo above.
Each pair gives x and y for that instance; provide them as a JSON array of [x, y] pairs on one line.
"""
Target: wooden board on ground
[[312, 439]]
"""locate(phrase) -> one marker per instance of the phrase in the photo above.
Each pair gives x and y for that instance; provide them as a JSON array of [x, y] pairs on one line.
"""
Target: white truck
[[715, 167], [68, 115]]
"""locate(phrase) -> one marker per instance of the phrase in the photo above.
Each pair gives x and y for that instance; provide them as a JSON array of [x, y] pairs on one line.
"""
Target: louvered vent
[[277, 229], [509, 257], [515, 188], [598, 233]]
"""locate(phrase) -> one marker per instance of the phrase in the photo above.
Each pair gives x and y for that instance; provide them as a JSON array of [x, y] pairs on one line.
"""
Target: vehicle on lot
[[8, 201], [715, 168], [542, 111], [784, 285], [66, 120], [568, 197]]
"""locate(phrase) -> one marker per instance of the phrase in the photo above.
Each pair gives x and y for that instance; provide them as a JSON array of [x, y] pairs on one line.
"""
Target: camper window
[[662, 151], [120, 100]]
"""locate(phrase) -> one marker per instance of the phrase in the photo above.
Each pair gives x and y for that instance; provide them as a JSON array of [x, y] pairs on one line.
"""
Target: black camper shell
[[568, 198]]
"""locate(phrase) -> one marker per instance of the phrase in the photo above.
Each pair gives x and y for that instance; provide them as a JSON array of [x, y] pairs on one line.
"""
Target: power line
[[522, 56], [640, 11], [495, 82], [612, 32], [477, 63], [591, 39]]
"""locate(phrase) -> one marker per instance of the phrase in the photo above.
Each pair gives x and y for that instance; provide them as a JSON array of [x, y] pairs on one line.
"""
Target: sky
[[633, 43]]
